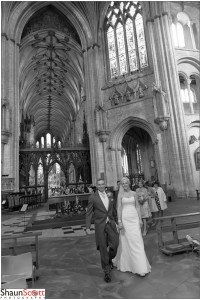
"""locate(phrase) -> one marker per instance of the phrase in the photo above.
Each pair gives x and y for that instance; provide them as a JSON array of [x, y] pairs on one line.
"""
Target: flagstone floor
[[70, 264]]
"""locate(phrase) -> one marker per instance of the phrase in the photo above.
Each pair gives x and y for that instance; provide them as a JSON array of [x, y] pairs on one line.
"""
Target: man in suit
[[105, 226]]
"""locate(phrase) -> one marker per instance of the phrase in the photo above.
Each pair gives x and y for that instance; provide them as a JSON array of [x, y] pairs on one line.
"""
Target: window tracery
[[139, 159], [125, 38], [188, 92]]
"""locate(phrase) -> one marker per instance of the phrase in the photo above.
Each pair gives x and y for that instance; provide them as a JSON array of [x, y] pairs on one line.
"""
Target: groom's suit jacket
[[97, 208]]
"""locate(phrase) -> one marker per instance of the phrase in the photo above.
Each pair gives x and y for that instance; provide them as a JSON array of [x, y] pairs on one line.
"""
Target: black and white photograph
[[100, 150]]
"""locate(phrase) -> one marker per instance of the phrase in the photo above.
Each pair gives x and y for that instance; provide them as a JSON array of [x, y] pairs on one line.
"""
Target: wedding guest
[[135, 186], [143, 198], [160, 200], [152, 203]]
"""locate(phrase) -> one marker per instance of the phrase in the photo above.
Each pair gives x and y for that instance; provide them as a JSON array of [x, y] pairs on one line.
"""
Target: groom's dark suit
[[106, 233]]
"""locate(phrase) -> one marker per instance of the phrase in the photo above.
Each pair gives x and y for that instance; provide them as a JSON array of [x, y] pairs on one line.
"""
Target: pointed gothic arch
[[19, 17], [118, 133]]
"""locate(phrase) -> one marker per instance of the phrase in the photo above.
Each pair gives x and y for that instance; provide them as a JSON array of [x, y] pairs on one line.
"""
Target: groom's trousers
[[111, 239]]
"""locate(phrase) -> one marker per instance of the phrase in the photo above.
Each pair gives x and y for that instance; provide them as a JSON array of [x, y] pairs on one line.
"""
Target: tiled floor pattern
[[18, 223]]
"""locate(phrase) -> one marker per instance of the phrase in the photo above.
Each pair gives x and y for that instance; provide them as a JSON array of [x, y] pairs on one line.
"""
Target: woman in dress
[[131, 255], [143, 199], [160, 200], [151, 201]]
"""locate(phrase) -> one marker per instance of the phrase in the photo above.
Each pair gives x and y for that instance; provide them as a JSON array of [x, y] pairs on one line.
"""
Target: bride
[[131, 255]]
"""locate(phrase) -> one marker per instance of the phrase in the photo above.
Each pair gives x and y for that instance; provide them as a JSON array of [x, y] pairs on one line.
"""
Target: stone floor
[[70, 266]]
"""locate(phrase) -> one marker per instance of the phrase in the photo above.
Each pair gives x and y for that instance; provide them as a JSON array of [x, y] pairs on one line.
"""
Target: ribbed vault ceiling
[[51, 72]]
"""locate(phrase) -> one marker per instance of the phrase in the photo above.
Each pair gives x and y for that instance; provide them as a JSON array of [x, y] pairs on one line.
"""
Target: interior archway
[[140, 154]]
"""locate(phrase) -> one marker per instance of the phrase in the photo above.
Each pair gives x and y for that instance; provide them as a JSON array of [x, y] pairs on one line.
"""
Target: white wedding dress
[[131, 255]]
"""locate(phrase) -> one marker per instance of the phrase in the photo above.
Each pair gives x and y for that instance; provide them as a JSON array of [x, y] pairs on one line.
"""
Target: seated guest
[[135, 186]]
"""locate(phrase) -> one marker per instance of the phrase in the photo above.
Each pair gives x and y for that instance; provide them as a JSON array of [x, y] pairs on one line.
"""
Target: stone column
[[11, 86], [176, 133], [179, 137], [118, 163], [114, 168], [93, 65]]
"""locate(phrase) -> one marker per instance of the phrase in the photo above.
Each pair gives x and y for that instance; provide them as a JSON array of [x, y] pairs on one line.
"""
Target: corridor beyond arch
[[116, 137]]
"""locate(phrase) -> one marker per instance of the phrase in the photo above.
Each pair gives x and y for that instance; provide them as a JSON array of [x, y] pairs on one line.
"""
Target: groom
[[105, 226]]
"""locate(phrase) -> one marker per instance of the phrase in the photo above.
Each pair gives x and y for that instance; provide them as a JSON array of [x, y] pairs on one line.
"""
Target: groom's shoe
[[107, 278]]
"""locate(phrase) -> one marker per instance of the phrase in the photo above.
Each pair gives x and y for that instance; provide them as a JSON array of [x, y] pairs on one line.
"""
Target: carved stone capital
[[162, 122], [103, 135], [4, 101], [5, 136]]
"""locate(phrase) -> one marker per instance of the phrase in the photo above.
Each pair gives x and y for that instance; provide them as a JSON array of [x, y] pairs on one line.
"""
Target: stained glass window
[[139, 159], [125, 38], [131, 45], [112, 52], [121, 49]]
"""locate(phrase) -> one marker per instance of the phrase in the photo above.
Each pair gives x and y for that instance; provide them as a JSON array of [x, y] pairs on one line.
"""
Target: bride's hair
[[120, 195], [125, 179], [121, 189]]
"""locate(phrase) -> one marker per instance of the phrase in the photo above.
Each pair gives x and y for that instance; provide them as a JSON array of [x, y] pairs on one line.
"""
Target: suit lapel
[[99, 201]]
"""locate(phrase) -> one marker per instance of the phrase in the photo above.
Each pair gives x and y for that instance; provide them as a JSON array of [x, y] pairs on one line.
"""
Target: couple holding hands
[[118, 236]]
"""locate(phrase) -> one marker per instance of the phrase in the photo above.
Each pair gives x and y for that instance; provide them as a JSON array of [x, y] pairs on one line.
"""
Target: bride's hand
[[120, 225], [141, 223]]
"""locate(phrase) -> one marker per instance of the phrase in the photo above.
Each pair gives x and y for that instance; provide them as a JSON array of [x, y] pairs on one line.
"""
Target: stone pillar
[[114, 168], [10, 90], [93, 65], [119, 163], [176, 133]]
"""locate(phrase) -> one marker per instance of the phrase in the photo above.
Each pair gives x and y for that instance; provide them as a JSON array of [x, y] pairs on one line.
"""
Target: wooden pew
[[171, 224], [16, 200], [21, 243]]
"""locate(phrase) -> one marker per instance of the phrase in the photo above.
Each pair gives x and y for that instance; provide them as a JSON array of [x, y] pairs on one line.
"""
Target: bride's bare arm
[[137, 205]]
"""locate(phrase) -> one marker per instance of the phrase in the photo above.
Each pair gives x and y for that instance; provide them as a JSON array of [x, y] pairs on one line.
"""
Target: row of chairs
[[16, 270]]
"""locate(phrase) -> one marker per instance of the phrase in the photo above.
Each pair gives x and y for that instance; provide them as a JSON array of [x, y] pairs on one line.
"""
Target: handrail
[[174, 227], [22, 235], [70, 195], [177, 216]]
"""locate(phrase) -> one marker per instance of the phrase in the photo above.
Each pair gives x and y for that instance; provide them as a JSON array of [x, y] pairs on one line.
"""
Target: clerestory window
[[126, 44]]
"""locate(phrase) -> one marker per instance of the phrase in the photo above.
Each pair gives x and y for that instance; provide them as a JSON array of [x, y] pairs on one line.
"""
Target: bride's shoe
[[141, 275]]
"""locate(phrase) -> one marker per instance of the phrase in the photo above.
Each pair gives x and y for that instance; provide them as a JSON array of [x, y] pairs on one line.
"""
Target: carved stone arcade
[[79, 157]]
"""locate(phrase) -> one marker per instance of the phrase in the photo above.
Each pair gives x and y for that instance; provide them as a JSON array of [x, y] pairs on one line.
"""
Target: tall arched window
[[124, 162], [139, 159], [188, 90], [42, 142], [125, 38], [48, 140], [178, 35]]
